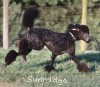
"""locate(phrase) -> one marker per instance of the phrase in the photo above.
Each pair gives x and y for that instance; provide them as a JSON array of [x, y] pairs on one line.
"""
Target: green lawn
[[32, 74]]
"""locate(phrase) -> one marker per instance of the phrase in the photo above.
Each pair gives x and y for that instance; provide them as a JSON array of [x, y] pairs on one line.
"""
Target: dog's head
[[79, 32]]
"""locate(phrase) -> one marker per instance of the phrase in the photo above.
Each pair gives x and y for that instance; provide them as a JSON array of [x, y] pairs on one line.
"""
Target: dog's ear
[[84, 28], [70, 26]]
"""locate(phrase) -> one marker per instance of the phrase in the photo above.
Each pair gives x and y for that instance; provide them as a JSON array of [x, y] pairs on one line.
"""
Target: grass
[[32, 74]]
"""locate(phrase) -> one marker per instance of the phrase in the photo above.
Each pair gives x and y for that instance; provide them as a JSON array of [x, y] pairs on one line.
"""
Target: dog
[[57, 43]]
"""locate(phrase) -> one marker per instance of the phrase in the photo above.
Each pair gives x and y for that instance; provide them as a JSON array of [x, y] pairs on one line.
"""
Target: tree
[[84, 22], [5, 24]]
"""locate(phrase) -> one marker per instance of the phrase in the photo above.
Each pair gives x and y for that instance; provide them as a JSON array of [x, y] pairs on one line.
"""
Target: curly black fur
[[29, 16]]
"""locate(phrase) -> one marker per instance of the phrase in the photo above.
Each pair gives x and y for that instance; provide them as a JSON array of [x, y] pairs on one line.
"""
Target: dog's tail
[[10, 57], [29, 16]]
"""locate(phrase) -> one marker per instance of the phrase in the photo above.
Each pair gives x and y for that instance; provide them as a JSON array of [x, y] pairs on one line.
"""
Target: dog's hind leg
[[50, 66], [24, 48], [24, 55]]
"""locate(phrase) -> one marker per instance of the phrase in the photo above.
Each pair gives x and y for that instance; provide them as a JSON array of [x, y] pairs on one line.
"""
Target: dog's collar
[[72, 35]]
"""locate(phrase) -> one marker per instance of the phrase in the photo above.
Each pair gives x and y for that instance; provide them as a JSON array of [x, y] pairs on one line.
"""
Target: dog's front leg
[[82, 67], [50, 66]]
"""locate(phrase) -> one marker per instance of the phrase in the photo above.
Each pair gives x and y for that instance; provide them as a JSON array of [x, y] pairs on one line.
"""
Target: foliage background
[[55, 15]]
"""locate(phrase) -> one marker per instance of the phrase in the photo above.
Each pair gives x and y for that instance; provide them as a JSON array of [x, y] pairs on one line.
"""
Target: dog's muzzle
[[86, 38]]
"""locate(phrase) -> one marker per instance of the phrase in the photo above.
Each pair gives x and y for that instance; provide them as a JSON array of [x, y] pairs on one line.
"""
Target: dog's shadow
[[88, 57]]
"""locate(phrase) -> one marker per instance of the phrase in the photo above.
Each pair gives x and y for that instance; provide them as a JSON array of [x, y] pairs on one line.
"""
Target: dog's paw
[[49, 68], [82, 67], [10, 57]]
